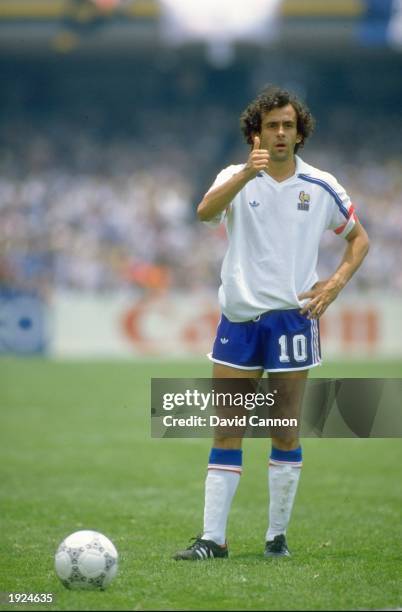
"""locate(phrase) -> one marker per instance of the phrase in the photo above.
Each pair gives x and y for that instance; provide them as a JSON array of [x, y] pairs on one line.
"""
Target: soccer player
[[275, 208]]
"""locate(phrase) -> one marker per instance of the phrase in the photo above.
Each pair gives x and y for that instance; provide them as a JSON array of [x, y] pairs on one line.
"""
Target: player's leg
[[223, 476], [292, 347], [285, 461], [224, 469]]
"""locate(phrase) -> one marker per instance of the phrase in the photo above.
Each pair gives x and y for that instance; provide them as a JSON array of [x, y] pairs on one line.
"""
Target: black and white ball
[[86, 560]]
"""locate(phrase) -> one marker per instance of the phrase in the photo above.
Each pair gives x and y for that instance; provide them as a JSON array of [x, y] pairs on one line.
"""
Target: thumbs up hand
[[258, 159]]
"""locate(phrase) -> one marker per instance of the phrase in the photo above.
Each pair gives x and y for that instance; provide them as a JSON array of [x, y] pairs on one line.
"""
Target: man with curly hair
[[275, 208]]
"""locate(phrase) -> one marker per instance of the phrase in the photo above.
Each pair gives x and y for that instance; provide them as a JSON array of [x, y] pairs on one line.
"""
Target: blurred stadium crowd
[[90, 209]]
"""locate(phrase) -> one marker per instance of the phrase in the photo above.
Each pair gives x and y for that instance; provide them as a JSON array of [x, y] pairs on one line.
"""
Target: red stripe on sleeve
[[352, 214]]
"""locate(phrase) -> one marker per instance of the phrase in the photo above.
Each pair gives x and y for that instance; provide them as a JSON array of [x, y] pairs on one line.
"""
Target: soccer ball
[[86, 560]]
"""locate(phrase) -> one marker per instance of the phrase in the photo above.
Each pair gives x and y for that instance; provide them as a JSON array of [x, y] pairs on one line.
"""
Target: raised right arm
[[219, 198]]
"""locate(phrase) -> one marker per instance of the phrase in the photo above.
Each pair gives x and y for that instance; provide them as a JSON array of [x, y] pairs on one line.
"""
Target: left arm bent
[[325, 292]]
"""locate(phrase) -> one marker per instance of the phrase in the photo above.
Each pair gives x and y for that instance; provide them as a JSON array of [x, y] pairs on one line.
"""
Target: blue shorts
[[276, 341]]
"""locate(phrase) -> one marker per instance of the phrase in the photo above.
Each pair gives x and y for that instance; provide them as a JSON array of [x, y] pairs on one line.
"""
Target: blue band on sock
[[226, 456], [291, 455]]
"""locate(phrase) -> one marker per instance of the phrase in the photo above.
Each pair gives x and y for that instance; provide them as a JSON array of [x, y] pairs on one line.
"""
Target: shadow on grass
[[255, 556]]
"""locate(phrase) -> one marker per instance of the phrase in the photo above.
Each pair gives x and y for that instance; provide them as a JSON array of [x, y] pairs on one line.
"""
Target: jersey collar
[[301, 168]]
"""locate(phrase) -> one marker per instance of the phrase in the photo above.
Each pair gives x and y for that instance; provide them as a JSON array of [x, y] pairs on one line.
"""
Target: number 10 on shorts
[[298, 346]]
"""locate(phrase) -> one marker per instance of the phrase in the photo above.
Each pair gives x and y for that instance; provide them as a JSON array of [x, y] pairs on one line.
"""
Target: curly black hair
[[275, 97]]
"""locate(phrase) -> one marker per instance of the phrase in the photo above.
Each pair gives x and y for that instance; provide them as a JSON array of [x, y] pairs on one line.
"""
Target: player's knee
[[228, 443], [286, 443]]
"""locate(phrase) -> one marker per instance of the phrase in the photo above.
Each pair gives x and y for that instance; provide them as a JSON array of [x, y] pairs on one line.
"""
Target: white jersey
[[274, 231]]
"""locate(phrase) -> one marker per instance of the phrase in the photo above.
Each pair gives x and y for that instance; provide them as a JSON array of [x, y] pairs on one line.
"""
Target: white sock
[[283, 480], [220, 487]]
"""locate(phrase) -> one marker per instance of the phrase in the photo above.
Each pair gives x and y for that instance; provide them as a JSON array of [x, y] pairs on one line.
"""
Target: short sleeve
[[221, 178], [343, 216]]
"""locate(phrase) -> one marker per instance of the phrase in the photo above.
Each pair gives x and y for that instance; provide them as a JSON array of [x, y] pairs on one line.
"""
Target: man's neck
[[280, 171]]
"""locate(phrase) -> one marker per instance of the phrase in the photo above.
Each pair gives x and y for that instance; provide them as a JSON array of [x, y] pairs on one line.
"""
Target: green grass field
[[76, 453]]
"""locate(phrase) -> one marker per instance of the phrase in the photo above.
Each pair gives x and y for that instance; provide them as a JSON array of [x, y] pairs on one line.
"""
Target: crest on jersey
[[304, 201], [254, 204]]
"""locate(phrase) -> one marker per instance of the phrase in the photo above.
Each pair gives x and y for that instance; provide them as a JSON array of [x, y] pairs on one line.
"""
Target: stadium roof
[[59, 24], [47, 10]]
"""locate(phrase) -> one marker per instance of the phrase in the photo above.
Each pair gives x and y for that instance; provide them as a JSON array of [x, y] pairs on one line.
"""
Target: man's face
[[279, 133]]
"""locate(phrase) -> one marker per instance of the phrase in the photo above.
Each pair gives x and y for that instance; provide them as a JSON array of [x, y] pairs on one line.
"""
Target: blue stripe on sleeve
[[329, 190]]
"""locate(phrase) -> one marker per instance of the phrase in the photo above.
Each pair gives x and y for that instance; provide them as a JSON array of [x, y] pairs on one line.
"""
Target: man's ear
[[299, 138]]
